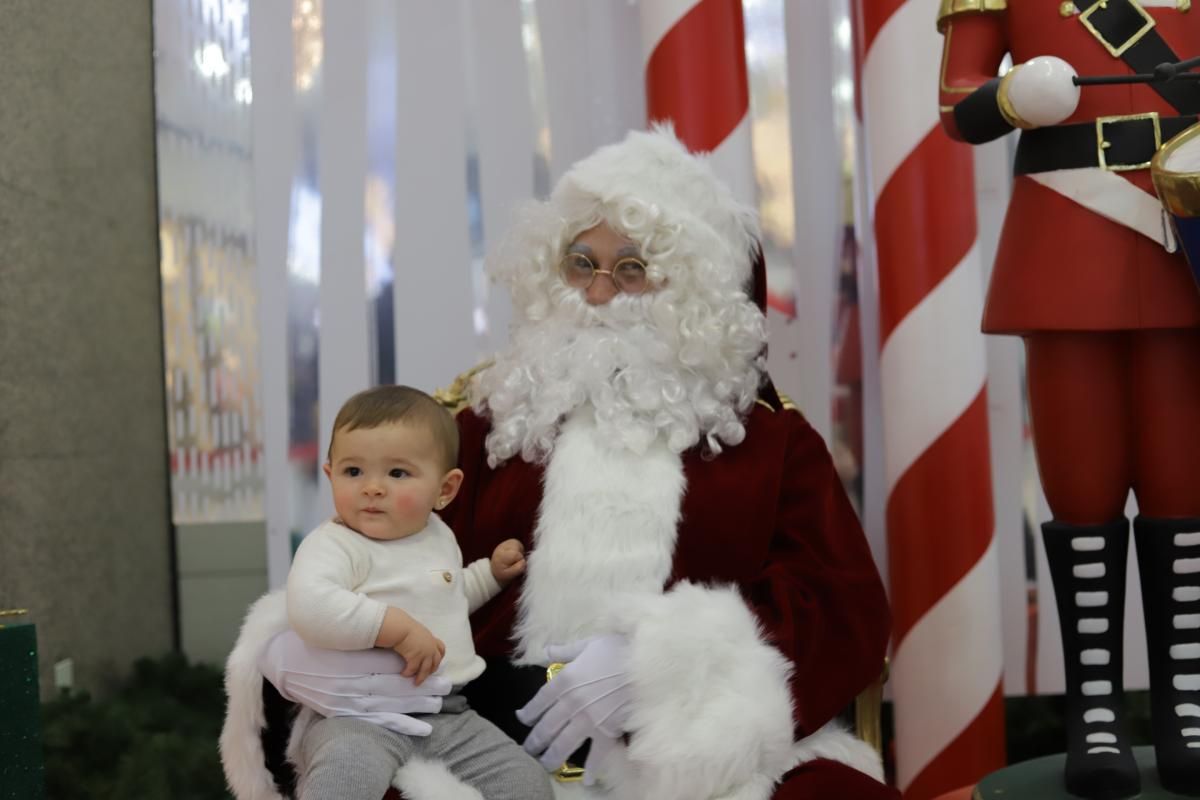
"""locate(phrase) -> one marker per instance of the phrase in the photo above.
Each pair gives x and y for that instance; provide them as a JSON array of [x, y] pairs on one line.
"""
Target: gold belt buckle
[[568, 772], [1102, 144], [1117, 50]]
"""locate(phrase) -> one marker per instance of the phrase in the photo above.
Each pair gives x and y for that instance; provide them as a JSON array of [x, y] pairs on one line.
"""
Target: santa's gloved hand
[[363, 684], [1040, 92], [589, 699]]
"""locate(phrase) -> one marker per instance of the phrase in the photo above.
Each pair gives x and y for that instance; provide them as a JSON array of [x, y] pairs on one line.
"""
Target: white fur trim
[[713, 716], [607, 528], [429, 780], [241, 747], [713, 711], [835, 743]]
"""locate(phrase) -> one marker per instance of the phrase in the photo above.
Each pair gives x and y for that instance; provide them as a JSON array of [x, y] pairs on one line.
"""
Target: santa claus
[[693, 564]]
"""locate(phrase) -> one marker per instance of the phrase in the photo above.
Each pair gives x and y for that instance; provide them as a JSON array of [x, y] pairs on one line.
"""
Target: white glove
[[363, 684], [590, 698], [1041, 91]]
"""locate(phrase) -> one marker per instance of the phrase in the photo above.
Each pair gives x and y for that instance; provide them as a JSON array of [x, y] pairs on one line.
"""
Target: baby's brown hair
[[384, 405]]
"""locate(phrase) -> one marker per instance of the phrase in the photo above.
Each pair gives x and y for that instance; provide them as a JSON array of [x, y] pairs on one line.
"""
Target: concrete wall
[[222, 570], [85, 535]]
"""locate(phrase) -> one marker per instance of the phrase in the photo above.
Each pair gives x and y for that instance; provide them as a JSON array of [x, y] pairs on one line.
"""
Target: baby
[[387, 572]]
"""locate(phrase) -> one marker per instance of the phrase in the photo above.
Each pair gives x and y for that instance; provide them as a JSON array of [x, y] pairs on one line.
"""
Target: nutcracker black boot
[[1169, 564], [1087, 566]]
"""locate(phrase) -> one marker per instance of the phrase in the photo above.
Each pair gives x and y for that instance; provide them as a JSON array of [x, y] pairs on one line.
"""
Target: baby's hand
[[508, 561], [422, 653]]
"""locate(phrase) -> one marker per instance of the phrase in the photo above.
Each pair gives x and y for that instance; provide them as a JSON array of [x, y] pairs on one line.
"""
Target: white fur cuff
[[713, 710]]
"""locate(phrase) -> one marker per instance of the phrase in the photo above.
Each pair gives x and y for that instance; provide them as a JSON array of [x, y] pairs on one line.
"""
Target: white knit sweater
[[341, 583]]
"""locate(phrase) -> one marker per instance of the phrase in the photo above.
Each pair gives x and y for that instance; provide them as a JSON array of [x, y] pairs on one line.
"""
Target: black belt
[[1114, 143], [501, 690]]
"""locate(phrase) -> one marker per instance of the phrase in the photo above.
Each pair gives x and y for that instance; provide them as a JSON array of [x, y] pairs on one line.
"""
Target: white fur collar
[[606, 530]]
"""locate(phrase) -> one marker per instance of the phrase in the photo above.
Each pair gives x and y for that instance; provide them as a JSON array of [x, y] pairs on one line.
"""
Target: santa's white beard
[[627, 363]]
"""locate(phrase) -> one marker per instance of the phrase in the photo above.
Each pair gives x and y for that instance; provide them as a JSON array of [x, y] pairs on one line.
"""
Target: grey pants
[[349, 759]]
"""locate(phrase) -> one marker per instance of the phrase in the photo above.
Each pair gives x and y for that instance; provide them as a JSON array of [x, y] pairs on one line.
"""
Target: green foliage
[[155, 738]]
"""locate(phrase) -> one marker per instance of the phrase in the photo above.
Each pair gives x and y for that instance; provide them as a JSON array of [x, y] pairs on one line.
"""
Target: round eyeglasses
[[579, 272]]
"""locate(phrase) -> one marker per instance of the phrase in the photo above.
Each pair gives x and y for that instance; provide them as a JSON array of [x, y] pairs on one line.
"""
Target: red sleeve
[[972, 49], [819, 594]]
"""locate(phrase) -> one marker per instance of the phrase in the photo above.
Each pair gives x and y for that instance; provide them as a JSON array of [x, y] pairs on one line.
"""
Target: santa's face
[[602, 263], [679, 359]]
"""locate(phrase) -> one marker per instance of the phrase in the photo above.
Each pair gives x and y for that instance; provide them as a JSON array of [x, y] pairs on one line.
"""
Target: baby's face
[[385, 480]]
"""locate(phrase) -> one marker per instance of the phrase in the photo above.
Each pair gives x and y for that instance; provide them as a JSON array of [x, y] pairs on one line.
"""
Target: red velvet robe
[[768, 515]]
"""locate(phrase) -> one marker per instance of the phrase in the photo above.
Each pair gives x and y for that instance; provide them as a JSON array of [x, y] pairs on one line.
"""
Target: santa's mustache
[[627, 361], [619, 313]]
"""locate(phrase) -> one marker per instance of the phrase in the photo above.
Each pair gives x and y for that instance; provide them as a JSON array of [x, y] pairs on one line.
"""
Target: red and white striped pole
[[696, 78], [695, 53], [947, 660]]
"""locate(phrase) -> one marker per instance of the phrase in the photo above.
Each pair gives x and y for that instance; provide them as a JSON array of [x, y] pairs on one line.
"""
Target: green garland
[[154, 738]]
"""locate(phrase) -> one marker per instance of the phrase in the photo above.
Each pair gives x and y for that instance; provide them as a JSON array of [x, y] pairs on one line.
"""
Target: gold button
[[1067, 9], [447, 577]]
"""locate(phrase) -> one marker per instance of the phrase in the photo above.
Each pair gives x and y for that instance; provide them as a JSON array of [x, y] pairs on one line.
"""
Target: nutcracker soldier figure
[[1086, 274]]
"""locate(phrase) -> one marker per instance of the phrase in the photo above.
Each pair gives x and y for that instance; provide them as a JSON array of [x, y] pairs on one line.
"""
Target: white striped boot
[[1169, 563], [1087, 566]]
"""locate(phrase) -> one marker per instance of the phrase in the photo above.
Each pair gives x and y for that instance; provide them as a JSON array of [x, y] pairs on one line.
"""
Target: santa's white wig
[[684, 361]]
